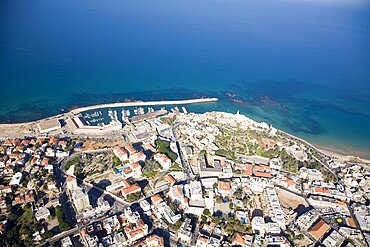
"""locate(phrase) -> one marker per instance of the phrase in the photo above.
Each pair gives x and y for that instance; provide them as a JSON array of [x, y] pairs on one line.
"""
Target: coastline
[[118, 104], [22, 127], [342, 155]]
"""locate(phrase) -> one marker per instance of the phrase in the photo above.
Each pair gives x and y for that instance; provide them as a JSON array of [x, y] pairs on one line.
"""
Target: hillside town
[[178, 179]]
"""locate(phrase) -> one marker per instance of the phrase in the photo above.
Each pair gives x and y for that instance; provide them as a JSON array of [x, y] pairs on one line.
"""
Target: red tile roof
[[224, 186], [170, 179], [319, 229], [248, 170]]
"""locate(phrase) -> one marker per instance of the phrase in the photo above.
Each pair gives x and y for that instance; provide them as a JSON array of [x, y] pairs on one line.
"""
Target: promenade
[[144, 103]]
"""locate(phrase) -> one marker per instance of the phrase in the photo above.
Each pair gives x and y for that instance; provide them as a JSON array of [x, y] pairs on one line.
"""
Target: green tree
[[206, 212], [216, 219], [164, 147]]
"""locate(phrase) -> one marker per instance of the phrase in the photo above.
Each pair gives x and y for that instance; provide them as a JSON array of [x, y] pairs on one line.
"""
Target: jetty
[[144, 103]]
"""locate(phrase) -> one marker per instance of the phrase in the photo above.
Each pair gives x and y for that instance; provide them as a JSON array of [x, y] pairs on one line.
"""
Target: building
[[156, 199], [46, 126], [120, 153], [136, 169], [42, 214], [176, 194], [151, 241], [242, 240], [135, 188], [185, 232], [137, 156], [202, 241], [194, 190], [79, 125], [167, 213], [224, 188], [263, 171], [258, 225], [319, 229], [16, 179], [130, 149], [51, 185], [276, 213], [274, 240], [80, 200], [170, 179], [145, 205], [137, 231], [310, 174], [207, 169], [71, 183], [66, 242], [163, 160], [334, 239]]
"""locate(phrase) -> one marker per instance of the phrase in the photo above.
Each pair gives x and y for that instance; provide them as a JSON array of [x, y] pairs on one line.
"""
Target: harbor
[[144, 103]]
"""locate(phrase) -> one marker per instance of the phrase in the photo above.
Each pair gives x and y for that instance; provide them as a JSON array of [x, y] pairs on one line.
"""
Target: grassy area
[[134, 197], [164, 147], [151, 168], [176, 167], [151, 174], [75, 161]]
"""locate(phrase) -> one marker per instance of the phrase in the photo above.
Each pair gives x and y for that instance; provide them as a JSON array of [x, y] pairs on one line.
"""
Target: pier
[[144, 103]]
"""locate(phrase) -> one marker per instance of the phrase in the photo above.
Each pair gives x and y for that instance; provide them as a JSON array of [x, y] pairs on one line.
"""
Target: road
[[186, 167]]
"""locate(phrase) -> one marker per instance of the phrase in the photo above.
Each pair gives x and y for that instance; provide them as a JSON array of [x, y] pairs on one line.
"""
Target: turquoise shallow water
[[310, 58]]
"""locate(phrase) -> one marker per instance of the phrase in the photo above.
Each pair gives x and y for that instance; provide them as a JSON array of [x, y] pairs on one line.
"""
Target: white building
[[16, 179], [80, 200], [185, 233], [66, 242], [276, 212], [310, 174], [163, 160], [167, 213], [42, 213], [194, 190], [145, 205], [258, 225], [120, 153], [71, 183]]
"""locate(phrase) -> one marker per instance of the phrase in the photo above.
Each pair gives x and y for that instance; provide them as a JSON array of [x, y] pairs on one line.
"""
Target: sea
[[302, 66]]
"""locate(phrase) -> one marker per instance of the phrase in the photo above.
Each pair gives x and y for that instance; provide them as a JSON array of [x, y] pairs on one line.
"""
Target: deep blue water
[[310, 57]]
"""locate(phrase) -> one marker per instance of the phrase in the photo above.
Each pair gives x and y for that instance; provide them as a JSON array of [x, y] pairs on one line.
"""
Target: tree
[[245, 201], [116, 161], [164, 147], [173, 206], [46, 235], [238, 194], [63, 224], [206, 212], [216, 219], [134, 197]]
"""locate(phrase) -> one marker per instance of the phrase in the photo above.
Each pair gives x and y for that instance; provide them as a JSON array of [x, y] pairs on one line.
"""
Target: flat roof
[[45, 125], [148, 115], [204, 166], [16, 179]]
